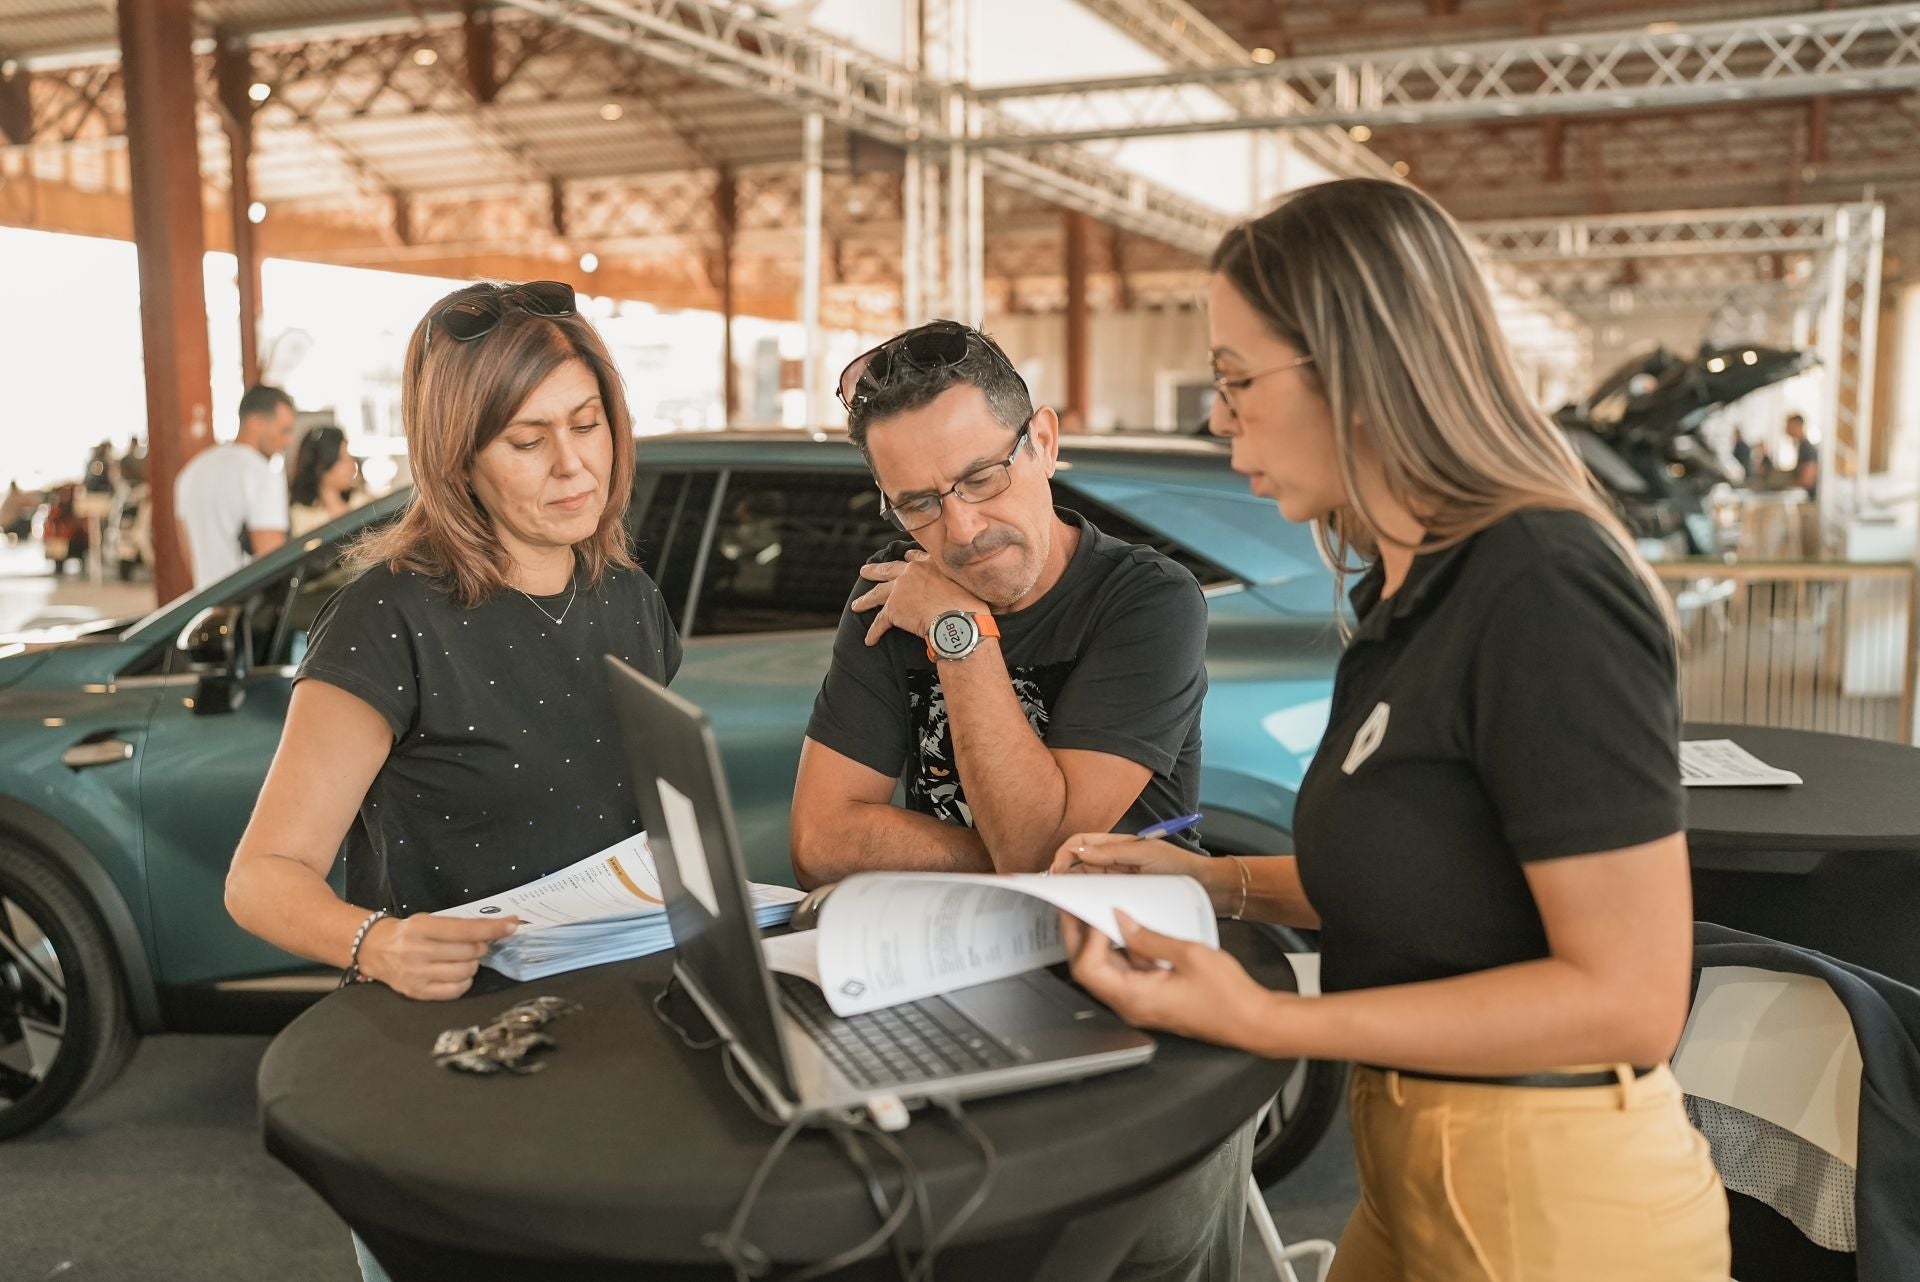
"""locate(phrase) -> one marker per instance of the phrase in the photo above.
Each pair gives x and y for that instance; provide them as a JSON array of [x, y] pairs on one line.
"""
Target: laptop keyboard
[[916, 1042]]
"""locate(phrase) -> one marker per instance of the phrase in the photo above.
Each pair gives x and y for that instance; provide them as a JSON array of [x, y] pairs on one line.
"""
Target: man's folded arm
[[844, 821]]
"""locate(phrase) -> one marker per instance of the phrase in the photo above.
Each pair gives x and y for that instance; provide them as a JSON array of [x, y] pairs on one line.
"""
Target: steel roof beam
[[1799, 55], [800, 68]]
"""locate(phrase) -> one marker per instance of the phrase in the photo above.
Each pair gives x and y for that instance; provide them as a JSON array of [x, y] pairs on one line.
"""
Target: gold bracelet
[[1238, 913]]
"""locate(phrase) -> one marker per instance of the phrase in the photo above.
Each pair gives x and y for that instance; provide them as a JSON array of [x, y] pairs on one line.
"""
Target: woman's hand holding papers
[[430, 958], [1171, 984], [1112, 852]]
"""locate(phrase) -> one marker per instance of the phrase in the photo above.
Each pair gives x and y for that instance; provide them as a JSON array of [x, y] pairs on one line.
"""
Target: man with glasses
[[1018, 674]]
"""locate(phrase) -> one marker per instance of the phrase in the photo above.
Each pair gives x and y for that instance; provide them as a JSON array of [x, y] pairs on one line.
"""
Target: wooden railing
[[1806, 645]]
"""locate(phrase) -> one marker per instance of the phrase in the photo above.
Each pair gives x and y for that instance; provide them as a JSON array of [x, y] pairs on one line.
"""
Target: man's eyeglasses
[[977, 486], [477, 315], [1226, 387], [937, 346]]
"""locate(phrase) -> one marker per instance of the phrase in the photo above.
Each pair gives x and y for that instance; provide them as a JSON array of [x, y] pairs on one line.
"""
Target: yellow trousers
[[1463, 1182]]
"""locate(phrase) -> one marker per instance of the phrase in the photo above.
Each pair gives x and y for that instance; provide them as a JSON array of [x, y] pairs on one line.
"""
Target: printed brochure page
[[887, 938]]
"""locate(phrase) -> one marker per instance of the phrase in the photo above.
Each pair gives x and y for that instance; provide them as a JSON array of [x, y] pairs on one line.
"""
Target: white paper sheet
[[1722, 763], [897, 937], [616, 882], [1779, 1046]]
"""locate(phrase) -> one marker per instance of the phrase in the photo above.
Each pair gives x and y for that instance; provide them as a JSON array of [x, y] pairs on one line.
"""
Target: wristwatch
[[956, 633]]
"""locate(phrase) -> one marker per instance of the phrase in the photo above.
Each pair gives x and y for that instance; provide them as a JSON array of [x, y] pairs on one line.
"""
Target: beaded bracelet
[[352, 973], [1241, 864]]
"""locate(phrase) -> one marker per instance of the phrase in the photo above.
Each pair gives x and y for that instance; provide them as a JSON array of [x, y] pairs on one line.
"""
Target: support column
[[233, 74], [156, 60], [726, 218], [913, 301], [810, 269], [957, 220], [16, 109], [1079, 373]]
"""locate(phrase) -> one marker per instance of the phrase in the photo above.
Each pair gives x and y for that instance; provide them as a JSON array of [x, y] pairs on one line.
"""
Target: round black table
[[628, 1148], [1832, 863]]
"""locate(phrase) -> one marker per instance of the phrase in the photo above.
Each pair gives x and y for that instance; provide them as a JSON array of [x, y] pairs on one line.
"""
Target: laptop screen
[[683, 801]]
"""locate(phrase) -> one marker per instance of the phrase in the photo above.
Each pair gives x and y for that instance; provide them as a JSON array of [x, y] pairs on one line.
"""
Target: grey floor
[[163, 1179]]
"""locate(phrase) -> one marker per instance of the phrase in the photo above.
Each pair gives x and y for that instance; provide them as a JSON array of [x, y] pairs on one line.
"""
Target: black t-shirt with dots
[[506, 761]]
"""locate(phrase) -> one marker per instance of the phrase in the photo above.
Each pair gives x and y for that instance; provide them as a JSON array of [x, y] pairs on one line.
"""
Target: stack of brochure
[[608, 907]]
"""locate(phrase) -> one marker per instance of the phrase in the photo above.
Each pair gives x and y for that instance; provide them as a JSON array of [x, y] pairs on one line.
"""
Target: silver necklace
[[563, 609]]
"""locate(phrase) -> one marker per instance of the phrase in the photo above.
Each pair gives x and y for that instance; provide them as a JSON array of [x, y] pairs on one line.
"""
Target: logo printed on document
[[1371, 733], [853, 988]]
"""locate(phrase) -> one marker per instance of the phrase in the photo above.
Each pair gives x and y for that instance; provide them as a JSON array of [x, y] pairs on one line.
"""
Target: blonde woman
[[1490, 839]]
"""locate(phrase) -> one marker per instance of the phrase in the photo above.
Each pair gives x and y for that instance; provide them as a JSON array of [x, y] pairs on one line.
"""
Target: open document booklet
[[891, 937], [608, 907]]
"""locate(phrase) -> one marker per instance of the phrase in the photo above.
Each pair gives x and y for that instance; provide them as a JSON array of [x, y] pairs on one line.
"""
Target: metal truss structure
[[805, 69], [1826, 282], [1844, 51]]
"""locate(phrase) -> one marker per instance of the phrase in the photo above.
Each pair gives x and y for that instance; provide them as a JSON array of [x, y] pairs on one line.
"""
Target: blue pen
[[1167, 827]]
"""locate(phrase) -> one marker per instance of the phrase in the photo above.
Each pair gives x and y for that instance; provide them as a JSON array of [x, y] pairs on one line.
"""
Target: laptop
[[1009, 1035]]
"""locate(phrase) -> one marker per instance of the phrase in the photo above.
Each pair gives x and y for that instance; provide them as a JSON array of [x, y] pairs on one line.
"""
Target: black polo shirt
[[1515, 700]]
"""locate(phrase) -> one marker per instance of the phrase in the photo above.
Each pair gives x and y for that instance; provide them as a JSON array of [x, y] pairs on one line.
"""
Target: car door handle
[[97, 752]]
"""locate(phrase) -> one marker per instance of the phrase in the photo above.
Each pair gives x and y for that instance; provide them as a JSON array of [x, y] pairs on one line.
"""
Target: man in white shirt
[[228, 501]]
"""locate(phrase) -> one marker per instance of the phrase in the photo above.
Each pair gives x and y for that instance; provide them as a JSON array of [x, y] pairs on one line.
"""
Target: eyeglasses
[[937, 346], [977, 486], [477, 315], [1227, 386]]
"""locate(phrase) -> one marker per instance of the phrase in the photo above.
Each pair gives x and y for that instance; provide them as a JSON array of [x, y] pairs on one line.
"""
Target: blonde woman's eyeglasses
[[1227, 387]]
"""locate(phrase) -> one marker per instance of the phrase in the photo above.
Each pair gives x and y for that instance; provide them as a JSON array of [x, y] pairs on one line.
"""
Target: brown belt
[[1599, 1077]]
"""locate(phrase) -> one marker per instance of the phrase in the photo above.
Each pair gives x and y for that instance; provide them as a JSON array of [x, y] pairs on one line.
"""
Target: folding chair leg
[[1280, 1255]]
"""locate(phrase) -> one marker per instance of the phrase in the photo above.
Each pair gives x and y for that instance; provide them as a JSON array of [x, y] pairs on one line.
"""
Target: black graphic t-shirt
[[1112, 659], [506, 761]]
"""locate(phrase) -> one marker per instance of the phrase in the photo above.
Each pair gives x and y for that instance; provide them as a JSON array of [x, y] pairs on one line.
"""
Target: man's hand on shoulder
[[910, 594]]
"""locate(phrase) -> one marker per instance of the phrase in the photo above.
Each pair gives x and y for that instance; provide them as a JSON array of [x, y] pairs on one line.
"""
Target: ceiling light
[[589, 262], [612, 111], [425, 57], [1749, 357], [256, 213], [1263, 55], [1402, 168], [1360, 133], [1716, 365], [259, 91]]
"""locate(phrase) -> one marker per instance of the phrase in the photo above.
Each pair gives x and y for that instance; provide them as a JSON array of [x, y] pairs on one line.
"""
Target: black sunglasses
[[936, 346], [477, 315]]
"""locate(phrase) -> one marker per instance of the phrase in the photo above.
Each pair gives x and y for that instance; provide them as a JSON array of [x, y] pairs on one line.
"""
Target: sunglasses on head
[[477, 315], [930, 349]]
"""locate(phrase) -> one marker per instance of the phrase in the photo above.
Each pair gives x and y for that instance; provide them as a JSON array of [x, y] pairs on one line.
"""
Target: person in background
[[227, 503], [1491, 837], [1802, 468], [321, 486]]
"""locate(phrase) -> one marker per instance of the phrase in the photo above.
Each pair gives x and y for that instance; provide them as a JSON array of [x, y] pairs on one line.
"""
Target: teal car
[[130, 757]]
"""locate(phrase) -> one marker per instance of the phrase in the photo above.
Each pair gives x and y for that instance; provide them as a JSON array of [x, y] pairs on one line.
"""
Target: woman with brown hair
[[452, 695], [1490, 839]]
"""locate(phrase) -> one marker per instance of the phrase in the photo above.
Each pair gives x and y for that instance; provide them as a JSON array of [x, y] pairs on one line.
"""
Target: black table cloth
[[628, 1148], [1831, 864], [1858, 794]]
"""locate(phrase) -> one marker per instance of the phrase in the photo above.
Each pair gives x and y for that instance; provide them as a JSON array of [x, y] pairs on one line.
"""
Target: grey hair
[[908, 389]]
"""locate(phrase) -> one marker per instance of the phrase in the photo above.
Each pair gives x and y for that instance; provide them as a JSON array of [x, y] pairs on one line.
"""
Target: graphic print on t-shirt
[[933, 780]]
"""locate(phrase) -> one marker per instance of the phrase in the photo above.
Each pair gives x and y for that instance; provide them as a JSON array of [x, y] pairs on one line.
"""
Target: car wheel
[[1308, 1101], [64, 1026]]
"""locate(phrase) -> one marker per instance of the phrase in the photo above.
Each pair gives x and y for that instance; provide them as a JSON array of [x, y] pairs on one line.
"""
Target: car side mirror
[[219, 648]]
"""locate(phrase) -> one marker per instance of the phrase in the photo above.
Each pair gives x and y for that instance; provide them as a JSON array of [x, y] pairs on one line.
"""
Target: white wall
[[1131, 354]]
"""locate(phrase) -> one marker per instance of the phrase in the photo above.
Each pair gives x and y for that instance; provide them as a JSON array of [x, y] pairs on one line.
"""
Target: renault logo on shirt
[[1371, 733]]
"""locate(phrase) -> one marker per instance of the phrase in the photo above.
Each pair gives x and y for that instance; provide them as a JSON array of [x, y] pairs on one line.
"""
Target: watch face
[[954, 635]]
